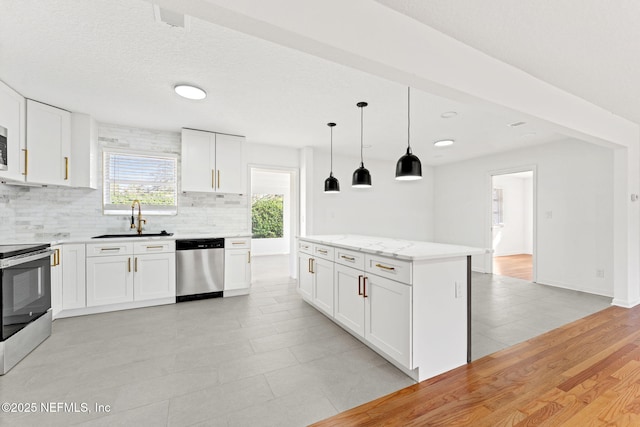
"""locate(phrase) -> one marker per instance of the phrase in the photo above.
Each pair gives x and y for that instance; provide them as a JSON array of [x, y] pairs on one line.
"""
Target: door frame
[[488, 261]]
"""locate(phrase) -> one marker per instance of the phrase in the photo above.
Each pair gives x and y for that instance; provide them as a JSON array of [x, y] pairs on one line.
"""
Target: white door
[[198, 161], [230, 175], [237, 269], [323, 290], [48, 144], [109, 280], [305, 277], [388, 317], [349, 304], [73, 262], [155, 276]]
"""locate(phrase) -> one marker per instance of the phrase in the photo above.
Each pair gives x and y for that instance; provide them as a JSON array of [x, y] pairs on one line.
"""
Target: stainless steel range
[[25, 278]]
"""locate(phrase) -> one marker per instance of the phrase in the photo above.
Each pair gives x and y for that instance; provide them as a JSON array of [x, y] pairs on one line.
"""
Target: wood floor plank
[[585, 373]]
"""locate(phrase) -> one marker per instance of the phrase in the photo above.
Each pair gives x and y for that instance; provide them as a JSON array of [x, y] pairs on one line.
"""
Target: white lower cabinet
[[109, 280], [322, 271], [74, 288], [154, 276], [56, 281], [305, 276], [237, 266], [349, 306]]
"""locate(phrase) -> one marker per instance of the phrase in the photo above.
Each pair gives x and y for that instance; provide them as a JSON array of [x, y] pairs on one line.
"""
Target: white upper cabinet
[[12, 128], [48, 154], [84, 149], [212, 163]]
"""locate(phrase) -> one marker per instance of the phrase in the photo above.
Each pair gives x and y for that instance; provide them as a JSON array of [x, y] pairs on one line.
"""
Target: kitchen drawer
[[350, 258], [237, 243], [395, 269], [109, 249], [322, 251], [154, 246], [305, 247]]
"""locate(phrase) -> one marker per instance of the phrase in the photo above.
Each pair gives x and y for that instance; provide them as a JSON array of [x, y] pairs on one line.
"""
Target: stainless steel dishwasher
[[199, 269]]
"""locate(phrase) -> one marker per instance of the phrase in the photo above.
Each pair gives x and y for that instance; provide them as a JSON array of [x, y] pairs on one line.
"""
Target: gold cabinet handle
[[364, 286], [155, 247], [322, 251], [385, 267], [66, 168], [309, 266], [109, 249], [213, 178], [348, 258], [56, 258], [311, 260], [135, 265], [26, 161], [237, 243], [129, 264], [360, 284], [218, 178], [249, 257]]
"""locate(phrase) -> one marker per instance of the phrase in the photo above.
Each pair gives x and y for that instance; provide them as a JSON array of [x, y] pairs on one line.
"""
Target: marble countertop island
[[412, 250]]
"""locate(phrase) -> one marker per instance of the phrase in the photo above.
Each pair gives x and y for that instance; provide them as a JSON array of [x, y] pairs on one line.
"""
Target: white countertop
[[412, 250], [133, 237]]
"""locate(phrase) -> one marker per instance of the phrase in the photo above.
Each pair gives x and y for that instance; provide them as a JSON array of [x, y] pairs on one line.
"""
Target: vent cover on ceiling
[[171, 18]]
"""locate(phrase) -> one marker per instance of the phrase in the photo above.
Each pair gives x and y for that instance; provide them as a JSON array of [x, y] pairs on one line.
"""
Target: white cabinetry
[[237, 266], [72, 259], [305, 276], [48, 152], [12, 119], [84, 148], [315, 275], [127, 272], [213, 163], [56, 281]]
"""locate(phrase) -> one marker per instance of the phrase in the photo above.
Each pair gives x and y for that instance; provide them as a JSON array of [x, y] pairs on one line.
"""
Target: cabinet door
[[198, 161], [48, 144], [56, 281], [349, 304], [305, 277], [73, 276], [237, 269], [155, 276], [109, 280], [12, 119], [388, 317], [230, 173], [323, 289]]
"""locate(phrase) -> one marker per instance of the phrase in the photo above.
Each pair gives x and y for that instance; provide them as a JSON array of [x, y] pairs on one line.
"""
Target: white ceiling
[[590, 48], [109, 58]]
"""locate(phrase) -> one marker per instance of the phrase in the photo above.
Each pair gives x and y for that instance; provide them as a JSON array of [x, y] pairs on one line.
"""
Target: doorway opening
[[512, 224], [273, 222]]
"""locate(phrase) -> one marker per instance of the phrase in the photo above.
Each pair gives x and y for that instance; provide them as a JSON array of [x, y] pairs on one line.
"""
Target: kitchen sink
[[113, 236]]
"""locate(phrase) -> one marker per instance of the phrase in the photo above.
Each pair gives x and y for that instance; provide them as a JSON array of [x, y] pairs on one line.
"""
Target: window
[[267, 216], [148, 178], [497, 207]]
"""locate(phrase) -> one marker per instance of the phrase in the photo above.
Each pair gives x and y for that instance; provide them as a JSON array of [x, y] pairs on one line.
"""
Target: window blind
[[150, 179]]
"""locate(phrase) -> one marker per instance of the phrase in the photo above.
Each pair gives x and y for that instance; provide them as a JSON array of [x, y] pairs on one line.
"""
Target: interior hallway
[[519, 266]]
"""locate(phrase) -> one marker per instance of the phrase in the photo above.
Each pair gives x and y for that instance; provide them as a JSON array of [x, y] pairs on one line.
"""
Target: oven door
[[26, 293]]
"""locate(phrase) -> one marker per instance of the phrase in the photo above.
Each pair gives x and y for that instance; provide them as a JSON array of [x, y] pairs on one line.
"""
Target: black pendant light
[[331, 184], [361, 176], [408, 167]]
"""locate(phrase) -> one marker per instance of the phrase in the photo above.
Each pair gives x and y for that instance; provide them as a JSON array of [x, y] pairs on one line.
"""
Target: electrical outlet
[[458, 289]]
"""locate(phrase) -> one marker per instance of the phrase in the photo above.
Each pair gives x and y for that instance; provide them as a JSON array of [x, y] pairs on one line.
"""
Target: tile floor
[[267, 359]]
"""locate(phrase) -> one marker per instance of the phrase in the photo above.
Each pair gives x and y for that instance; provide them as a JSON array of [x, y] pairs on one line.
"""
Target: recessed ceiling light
[[514, 124], [190, 92], [448, 114], [444, 143]]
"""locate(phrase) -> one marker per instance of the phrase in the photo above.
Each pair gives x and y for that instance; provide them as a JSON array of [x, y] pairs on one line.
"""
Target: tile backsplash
[[49, 213]]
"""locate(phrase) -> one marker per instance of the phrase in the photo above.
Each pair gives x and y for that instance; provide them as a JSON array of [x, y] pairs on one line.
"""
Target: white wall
[[513, 237], [273, 182], [389, 208], [574, 210]]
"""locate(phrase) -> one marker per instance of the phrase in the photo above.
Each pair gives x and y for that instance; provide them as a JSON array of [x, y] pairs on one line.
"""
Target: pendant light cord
[[361, 137], [331, 128], [409, 118]]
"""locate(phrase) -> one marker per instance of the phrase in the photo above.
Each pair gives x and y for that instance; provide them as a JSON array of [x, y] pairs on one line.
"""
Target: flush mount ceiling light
[[408, 167], [361, 176], [448, 114], [516, 124], [190, 92], [444, 143], [331, 184]]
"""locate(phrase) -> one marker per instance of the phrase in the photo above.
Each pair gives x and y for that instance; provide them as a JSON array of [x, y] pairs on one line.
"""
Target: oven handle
[[23, 260]]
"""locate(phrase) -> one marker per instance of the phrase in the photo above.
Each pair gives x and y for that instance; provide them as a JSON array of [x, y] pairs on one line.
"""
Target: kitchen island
[[407, 300]]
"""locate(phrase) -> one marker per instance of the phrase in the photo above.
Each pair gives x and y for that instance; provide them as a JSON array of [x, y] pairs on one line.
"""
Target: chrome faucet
[[140, 219]]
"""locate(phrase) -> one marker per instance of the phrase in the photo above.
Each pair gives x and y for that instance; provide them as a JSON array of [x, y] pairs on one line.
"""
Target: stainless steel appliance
[[25, 278], [199, 269], [3, 149]]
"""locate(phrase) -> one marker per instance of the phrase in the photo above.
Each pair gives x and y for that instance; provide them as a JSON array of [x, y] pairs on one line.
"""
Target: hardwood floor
[[518, 266], [586, 373]]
